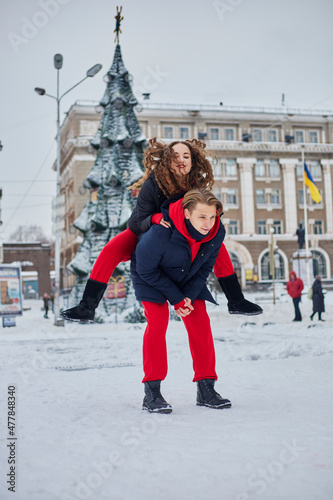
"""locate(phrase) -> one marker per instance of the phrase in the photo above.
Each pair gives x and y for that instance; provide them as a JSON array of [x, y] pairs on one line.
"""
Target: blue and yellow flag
[[314, 191]]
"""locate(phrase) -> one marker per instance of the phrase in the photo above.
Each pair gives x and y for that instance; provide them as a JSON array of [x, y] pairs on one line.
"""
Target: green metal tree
[[120, 145]]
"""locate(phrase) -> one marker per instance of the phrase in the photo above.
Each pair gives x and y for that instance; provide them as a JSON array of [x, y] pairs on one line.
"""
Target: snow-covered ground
[[81, 433]]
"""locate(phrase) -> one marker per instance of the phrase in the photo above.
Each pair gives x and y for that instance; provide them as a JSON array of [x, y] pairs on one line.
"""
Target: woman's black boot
[[85, 311], [237, 304]]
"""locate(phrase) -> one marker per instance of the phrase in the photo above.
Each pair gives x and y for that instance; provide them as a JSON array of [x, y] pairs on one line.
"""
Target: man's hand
[[186, 310]]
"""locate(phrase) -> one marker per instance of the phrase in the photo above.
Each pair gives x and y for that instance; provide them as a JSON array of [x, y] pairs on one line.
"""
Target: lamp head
[[58, 60], [40, 91], [94, 70]]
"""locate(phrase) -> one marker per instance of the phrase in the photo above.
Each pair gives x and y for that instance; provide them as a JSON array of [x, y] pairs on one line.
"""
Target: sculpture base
[[299, 262]]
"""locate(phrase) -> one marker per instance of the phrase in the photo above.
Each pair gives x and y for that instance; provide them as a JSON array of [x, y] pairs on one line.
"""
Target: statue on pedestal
[[300, 236]]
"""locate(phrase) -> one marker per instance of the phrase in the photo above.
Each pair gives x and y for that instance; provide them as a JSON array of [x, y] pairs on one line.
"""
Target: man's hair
[[204, 196]]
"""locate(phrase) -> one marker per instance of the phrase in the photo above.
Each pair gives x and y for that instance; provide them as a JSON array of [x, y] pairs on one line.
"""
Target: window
[[319, 264], [278, 267], [262, 227], [260, 195], [313, 136], [315, 169], [272, 136], [275, 200], [214, 134], [232, 196], [233, 227], [184, 133], [318, 227], [217, 168], [217, 193], [231, 168], [300, 197], [257, 135], [309, 200], [259, 170], [229, 134], [277, 226], [299, 136], [299, 170], [274, 168], [168, 132]]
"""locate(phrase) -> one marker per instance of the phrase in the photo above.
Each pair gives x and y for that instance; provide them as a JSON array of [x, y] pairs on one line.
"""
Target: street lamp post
[[58, 60], [271, 261]]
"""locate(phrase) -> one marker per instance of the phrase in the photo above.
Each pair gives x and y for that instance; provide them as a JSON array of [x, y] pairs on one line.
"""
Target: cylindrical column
[[289, 186], [327, 164], [246, 183]]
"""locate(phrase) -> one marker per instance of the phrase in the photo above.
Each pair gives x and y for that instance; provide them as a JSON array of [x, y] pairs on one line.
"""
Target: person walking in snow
[[294, 288], [318, 304], [170, 169], [46, 304], [172, 265]]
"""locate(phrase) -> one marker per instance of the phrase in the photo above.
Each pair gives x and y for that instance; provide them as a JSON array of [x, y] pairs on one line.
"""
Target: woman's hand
[[165, 223]]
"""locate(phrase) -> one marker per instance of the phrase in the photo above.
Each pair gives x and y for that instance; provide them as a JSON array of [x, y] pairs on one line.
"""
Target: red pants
[[155, 364], [120, 248]]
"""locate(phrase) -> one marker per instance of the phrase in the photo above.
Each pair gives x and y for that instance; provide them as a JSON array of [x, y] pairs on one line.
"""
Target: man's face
[[202, 217]]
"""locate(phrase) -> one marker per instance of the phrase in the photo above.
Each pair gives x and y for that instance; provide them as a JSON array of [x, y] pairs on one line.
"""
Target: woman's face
[[183, 165], [202, 217]]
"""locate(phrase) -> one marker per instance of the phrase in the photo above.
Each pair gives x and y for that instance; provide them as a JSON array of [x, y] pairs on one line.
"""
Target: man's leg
[[200, 337], [155, 364]]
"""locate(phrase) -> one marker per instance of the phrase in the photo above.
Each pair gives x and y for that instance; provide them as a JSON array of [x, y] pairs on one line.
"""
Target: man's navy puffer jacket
[[162, 267]]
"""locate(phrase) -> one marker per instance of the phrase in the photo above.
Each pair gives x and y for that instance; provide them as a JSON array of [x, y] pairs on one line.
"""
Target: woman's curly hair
[[158, 157]]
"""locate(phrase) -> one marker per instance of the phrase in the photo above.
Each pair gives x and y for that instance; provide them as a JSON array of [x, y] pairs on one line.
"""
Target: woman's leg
[[227, 278], [223, 266], [201, 342], [118, 249], [155, 364]]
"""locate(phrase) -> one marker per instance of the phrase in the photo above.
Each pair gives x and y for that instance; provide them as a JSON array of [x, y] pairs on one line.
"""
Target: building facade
[[34, 259], [258, 177]]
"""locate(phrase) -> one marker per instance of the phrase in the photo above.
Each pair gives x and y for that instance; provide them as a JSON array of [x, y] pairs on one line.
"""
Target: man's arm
[[149, 252]]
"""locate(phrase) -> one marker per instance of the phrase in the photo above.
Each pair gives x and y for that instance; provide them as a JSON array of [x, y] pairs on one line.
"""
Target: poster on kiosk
[[10, 291]]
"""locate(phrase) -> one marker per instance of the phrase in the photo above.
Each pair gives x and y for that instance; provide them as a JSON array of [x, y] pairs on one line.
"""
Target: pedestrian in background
[[317, 299], [294, 288], [46, 304]]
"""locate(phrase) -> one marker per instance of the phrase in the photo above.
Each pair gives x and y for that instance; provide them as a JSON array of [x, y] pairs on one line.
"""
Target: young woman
[[170, 170], [173, 265], [318, 297]]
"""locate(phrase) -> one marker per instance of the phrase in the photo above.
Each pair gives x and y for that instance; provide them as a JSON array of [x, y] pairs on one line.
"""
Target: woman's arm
[[147, 205]]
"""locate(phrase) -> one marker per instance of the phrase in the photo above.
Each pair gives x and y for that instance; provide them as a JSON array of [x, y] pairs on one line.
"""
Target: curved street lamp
[[58, 61]]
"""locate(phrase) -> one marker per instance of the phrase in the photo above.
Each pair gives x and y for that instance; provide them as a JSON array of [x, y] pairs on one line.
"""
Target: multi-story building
[[258, 176]]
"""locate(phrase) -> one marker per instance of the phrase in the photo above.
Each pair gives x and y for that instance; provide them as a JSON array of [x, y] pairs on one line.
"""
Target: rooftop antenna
[[282, 100]]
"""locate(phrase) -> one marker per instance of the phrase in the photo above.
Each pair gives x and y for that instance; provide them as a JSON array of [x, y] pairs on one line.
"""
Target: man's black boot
[[207, 396], [237, 304], [85, 311], [153, 401]]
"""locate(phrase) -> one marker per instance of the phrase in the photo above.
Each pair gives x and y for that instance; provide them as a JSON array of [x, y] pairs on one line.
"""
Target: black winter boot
[[237, 304], [85, 311], [153, 401], [207, 396]]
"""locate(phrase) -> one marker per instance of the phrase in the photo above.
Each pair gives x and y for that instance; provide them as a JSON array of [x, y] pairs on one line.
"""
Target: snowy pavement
[[81, 433]]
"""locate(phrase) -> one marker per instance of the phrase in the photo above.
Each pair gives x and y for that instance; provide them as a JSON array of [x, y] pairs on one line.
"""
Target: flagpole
[[307, 260]]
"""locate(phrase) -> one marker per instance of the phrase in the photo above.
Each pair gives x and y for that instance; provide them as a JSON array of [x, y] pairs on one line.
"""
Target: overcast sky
[[241, 52]]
